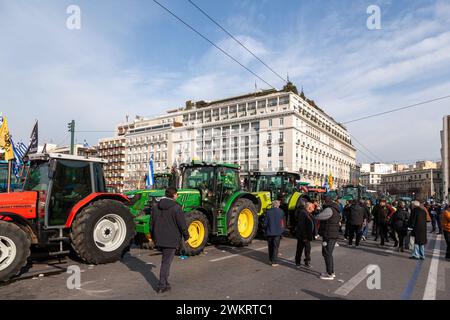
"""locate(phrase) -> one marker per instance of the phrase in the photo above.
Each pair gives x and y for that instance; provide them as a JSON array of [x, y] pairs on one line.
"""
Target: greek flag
[[19, 151], [150, 175]]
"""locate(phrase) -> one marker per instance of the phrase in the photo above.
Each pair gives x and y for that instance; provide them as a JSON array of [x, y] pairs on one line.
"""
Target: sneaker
[[308, 266], [363, 238], [275, 264], [163, 290], [333, 275], [337, 244], [414, 258], [326, 276]]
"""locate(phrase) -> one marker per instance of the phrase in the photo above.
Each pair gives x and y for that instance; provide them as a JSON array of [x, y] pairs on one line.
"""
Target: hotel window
[[270, 122], [269, 152], [273, 102], [281, 153]]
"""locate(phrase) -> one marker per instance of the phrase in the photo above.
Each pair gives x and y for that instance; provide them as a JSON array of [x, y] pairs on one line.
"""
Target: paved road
[[223, 272]]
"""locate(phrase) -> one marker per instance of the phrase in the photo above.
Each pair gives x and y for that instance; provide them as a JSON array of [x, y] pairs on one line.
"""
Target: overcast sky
[[133, 58]]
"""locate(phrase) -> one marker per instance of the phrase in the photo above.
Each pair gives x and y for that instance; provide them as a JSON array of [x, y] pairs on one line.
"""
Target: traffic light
[[71, 126]]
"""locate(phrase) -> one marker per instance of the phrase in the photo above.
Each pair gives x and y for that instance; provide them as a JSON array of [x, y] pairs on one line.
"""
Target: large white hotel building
[[267, 131]]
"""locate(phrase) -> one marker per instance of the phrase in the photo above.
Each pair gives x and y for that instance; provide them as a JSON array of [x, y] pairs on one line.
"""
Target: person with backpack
[[356, 216], [381, 212], [329, 231]]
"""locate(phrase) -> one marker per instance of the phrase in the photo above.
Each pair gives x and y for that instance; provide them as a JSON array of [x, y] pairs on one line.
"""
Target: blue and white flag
[[326, 185], [150, 175], [19, 151], [85, 144]]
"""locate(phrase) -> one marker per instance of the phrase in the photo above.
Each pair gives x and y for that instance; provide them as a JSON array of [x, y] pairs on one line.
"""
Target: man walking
[[399, 223], [168, 226], [418, 226], [356, 218], [382, 213], [273, 226], [329, 230], [305, 230]]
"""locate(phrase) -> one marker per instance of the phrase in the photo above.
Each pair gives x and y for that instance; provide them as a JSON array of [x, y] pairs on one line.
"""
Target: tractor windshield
[[37, 179], [162, 182], [198, 178]]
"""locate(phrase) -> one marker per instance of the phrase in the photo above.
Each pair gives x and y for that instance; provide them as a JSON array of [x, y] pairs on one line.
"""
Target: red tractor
[[63, 205]]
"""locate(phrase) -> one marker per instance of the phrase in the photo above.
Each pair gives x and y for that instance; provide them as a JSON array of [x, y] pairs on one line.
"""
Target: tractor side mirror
[[52, 168]]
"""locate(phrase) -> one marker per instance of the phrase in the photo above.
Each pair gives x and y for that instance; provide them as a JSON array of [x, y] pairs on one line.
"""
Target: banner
[[330, 181], [5, 139], [33, 147]]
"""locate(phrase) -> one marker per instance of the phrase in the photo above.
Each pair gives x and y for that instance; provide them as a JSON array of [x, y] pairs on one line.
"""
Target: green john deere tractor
[[280, 184], [214, 204]]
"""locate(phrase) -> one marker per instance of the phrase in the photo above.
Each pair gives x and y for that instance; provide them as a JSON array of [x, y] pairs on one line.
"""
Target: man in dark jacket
[[305, 234], [399, 224], [381, 213], [418, 226], [356, 216], [274, 227], [168, 226], [329, 230]]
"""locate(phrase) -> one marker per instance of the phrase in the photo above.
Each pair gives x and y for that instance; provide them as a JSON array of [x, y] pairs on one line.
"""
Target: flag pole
[[9, 175]]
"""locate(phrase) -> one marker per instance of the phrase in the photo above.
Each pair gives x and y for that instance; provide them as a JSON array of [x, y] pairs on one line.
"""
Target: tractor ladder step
[[58, 253], [59, 239]]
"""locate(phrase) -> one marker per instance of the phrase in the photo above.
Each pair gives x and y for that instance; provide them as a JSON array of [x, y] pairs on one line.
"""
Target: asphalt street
[[223, 272]]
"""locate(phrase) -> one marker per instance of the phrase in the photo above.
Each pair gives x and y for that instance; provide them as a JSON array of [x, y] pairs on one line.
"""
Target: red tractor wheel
[[102, 232], [14, 250]]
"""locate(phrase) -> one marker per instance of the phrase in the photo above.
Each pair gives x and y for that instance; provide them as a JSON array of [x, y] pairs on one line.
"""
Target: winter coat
[[274, 222], [168, 224], [305, 225], [400, 219], [380, 214], [357, 215], [418, 224], [445, 220], [329, 221]]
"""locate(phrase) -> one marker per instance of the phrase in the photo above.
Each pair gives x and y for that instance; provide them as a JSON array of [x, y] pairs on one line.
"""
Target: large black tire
[[12, 235], [104, 213], [197, 225], [234, 236]]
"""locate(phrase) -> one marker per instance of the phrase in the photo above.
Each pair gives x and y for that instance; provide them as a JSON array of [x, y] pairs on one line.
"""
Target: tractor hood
[[20, 203]]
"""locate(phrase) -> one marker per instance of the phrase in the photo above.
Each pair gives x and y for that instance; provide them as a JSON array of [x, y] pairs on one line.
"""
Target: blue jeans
[[419, 251], [365, 231]]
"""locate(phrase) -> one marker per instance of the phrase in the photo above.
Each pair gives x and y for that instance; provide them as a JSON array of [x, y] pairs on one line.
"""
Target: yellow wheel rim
[[196, 234], [245, 223]]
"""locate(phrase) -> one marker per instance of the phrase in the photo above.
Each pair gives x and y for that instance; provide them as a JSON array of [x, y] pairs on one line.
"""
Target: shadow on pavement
[[320, 296], [137, 265]]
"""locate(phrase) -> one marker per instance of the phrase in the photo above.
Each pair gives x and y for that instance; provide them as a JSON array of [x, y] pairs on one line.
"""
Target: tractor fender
[[92, 198], [24, 224], [294, 200], [244, 195]]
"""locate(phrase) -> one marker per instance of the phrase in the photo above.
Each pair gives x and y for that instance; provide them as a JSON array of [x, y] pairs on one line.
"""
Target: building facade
[[445, 154], [149, 138], [267, 131], [372, 174], [114, 151], [422, 182]]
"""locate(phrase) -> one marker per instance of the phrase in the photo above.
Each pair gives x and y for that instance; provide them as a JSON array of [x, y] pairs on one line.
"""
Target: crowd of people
[[403, 224]]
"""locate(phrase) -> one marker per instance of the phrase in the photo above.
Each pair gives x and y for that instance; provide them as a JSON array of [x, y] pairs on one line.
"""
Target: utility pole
[[71, 126]]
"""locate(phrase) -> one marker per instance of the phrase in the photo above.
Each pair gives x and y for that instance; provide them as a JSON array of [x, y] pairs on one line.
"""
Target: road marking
[[351, 284], [431, 286], [238, 254]]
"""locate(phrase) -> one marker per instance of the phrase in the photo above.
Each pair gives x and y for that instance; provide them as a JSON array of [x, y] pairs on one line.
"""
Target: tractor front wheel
[[198, 228], [242, 223], [102, 232], [14, 250]]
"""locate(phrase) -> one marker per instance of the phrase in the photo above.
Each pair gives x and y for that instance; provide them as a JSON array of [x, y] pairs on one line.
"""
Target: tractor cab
[[216, 183], [63, 205], [63, 181], [163, 181]]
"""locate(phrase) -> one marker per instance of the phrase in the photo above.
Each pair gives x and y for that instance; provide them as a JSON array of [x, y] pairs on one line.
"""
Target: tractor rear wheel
[[102, 231], [198, 227], [14, 250], [242, 222]]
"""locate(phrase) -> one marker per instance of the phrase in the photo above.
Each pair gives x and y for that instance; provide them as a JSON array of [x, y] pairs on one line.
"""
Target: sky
[[134, 58]]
